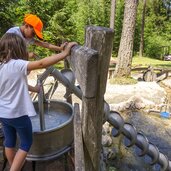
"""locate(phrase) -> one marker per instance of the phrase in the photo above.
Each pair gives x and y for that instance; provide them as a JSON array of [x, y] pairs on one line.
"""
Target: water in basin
[[55, 115]]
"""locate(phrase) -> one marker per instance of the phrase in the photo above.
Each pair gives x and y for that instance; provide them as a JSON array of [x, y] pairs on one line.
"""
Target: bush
[[154, 46]]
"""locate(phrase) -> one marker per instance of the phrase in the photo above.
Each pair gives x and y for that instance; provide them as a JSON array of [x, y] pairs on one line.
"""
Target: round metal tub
[[57, 137]]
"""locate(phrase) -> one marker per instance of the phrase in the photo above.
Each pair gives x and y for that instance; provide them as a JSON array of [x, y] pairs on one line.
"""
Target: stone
[[135, 97], [106, 140]]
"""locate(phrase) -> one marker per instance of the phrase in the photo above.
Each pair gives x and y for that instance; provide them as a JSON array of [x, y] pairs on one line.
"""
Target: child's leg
[[10, 154], [9, 140], [24, 130], [19, 160], [23, 127]]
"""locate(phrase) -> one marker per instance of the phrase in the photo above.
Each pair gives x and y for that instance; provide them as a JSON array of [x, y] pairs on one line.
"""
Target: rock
[[167, 83], [106, 128], [109, 153], [134, 103], [135, 97], [106, 140]]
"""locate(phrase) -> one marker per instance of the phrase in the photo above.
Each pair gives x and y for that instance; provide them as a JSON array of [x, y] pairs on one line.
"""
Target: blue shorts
[[17, 126]]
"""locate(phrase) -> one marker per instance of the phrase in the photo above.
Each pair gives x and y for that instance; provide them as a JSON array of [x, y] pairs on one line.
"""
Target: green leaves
[[67, 19]]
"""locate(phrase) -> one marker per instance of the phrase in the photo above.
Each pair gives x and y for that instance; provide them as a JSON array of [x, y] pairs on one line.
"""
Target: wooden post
[[78, 142], [101, 40], [90, 64], [83, 62]]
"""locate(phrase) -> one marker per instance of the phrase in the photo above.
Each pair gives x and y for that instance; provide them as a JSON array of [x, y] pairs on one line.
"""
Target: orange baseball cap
[[36, 23]]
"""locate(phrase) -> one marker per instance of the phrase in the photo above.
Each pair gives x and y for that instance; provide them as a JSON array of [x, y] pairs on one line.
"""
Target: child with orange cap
[[32, 27]]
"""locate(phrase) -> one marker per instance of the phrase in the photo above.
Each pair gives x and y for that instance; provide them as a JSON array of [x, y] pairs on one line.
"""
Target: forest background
[[65, 20]]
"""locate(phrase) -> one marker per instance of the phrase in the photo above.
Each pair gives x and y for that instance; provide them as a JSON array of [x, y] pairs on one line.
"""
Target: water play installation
[[58, 122], [90, 66], [53, 126], [54, 120]]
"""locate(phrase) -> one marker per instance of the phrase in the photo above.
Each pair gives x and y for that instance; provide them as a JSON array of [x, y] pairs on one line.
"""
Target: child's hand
[[32, 55], [68, 47], [63, 45], [37, 88], [34, 89]]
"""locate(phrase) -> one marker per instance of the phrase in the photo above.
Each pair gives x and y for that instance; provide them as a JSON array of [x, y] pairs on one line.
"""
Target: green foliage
[[95, 12], [67, 19], [138, 27], [61, 24], [6, 18], [157, 29], [45, 9], [118, 25], [154, 46]]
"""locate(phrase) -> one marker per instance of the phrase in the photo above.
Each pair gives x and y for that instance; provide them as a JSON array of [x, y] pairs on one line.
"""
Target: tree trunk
[[142, 30], [112, 14], [168, 10], [123, 67]]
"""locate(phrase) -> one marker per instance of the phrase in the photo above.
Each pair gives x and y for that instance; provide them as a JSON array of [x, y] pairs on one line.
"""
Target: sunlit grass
[[123, 80], [139, 62], [145, 61]]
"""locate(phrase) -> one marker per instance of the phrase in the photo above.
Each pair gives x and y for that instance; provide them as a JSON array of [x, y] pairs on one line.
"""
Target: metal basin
[[57, 136]]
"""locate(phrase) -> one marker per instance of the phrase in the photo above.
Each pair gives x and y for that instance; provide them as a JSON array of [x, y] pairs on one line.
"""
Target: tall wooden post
[[101, 40], [90, 64], [83, 62]]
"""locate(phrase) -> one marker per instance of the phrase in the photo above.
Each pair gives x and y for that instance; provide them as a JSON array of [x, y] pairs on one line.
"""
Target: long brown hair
[[12, 46]]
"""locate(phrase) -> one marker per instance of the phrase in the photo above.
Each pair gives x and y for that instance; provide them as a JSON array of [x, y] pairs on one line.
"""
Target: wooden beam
[[78, 142], [83, 62]]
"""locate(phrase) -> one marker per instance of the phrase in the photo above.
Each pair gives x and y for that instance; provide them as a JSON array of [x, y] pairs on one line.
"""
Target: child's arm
[[49, 46], [34, 89], [48, 61], [32, 55]]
